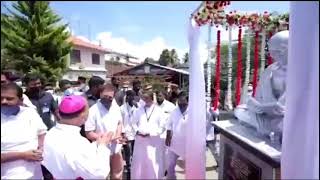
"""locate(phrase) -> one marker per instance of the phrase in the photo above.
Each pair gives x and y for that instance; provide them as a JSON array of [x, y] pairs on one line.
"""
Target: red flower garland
[[217, 78], [239, 69], [269, 57], [256, 63]]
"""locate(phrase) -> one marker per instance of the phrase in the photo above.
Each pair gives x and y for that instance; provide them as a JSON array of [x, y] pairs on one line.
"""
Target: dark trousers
[[127, 154], [46, 174]]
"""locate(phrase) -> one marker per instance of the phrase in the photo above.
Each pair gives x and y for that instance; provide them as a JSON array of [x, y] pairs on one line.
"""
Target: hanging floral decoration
[[213, 13], [269, 61], [255, 63], [217, 79]]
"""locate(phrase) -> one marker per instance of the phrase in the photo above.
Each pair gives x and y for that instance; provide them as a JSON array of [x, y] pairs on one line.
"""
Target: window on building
[[95, 59], [75, 56]]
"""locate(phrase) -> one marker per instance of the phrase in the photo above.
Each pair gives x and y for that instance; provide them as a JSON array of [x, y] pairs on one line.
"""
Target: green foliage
[[185, 58], [35, 39], [150, 60], [168, 58], [224, 64]]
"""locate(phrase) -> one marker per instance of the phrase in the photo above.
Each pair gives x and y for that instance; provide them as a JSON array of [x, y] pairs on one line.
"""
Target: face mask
[[106, 102], [10, 110], [68, 92], [50, 91], [183, 107], [34, 90], [160, 101]]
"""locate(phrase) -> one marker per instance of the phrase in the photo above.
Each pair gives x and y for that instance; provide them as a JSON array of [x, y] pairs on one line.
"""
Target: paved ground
[[211, 172]]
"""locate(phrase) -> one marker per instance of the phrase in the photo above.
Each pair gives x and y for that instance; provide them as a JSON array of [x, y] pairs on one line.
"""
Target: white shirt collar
[[67, 127]]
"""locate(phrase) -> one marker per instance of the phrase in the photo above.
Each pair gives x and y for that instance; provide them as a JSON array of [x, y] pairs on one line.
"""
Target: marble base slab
[[246, 155]]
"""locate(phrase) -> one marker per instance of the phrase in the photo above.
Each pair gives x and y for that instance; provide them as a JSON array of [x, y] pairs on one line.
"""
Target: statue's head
[[278, 47]]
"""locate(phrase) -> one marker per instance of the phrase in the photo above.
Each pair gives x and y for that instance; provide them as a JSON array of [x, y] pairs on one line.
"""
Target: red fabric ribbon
[[255, 63], [269, 61], [239, 69], [217, 78]]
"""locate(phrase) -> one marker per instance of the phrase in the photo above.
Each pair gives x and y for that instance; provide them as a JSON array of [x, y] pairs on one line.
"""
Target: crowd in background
[[131, 129]]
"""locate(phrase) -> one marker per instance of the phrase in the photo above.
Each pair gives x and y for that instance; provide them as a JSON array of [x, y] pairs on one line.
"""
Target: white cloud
[[151, 48]]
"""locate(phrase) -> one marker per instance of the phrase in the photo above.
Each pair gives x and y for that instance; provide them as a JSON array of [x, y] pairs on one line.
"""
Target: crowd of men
[[92, 130]]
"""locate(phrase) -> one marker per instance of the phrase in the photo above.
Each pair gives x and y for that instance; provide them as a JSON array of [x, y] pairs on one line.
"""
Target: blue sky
[[137, 26]]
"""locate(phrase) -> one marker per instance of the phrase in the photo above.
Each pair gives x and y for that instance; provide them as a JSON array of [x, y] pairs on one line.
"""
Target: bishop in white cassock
[[147, 160], [68, 155]]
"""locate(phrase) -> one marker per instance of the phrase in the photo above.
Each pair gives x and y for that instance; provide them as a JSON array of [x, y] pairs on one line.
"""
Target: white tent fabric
[[300, 148], [196, 125]]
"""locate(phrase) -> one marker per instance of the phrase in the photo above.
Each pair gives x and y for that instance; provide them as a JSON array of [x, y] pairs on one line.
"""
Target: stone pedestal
[[244, 155]]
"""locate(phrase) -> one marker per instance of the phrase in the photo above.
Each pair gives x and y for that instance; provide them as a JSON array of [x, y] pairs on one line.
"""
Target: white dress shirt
[[127, 114], [167, 107], [177, 124], [68, 155], [19, 133], [101, 120], [147, 158]]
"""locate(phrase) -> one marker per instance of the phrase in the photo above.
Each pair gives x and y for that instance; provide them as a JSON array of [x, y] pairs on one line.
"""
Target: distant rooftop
[[79, 42]]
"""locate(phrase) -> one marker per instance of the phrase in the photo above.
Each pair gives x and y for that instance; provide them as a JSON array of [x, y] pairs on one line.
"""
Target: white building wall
[[85, 67]]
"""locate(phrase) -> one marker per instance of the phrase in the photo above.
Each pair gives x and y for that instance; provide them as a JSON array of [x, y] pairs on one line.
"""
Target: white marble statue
[[265, 111]]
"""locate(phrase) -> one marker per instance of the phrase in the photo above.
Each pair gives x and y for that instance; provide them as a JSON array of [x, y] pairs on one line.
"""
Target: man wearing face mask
[[22, 136], [26, 101], [127, 111], [82, 81], [149, 122], [136, 87], [65, 89], [119, 94], [167, 108], [176, 133], [44, 101], [105, 116]]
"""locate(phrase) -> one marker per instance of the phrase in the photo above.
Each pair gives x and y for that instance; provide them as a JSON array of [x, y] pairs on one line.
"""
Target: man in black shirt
[[45, 104], [118, 94], [43, 101], [93, 94]]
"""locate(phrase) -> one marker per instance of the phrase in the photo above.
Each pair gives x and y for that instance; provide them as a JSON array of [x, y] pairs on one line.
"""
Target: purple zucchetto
[[72, 104]]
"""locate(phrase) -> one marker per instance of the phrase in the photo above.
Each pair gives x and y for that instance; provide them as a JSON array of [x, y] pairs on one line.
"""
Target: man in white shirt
[[105, 116], [167, 108], [127, 111], [68, 155], [176, 133], [22, 134], [26, 101], [147, 159]]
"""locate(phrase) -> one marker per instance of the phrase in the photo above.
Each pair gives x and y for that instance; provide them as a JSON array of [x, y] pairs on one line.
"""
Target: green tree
[[150, 60], [35, 39], [168, 58], [174, 59], [164, 59], [224, 63], [185, 58]]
